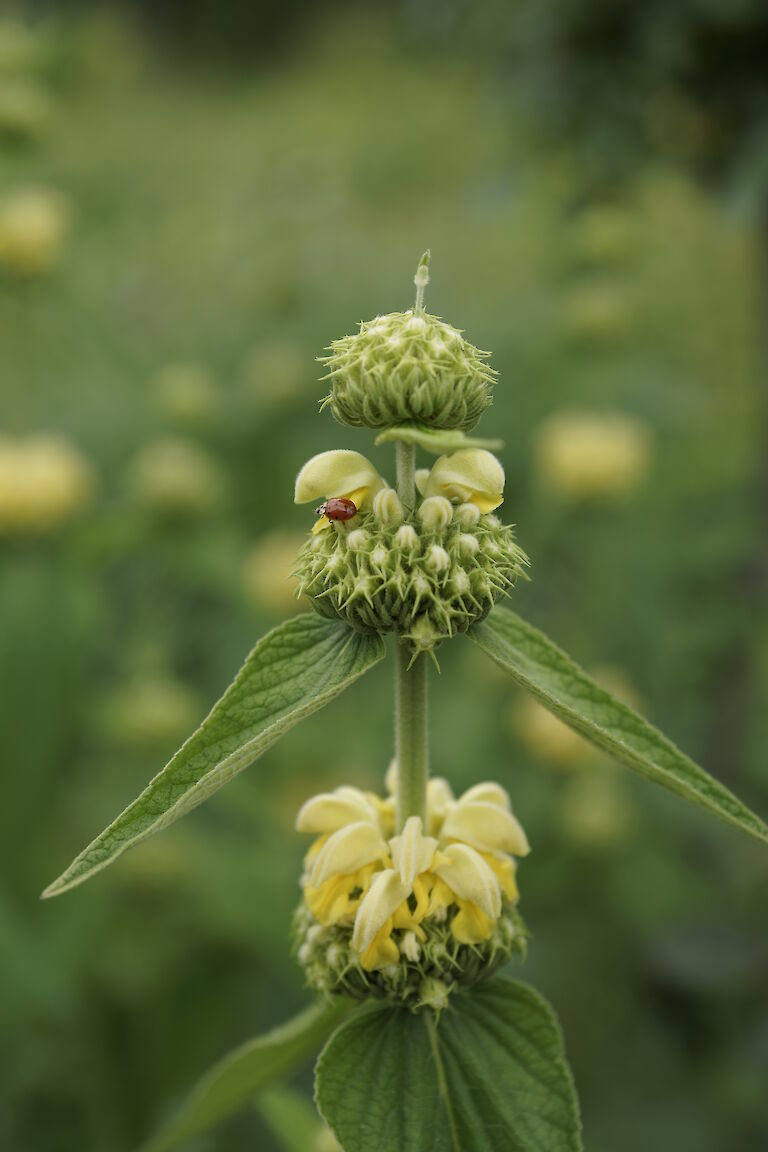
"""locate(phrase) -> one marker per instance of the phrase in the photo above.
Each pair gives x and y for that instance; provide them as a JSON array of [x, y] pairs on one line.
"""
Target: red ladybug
[[337, 508]]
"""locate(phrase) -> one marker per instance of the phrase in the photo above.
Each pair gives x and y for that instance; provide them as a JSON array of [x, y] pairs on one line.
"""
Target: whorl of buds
[[426, 580], [407, 366]]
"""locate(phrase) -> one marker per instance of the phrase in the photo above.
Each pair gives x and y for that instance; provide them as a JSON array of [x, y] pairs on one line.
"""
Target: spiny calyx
[[426, 578], [408, 366]]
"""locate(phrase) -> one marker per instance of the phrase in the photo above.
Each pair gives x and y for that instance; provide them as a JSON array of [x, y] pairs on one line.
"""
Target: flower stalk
[[411, 708], [411, 734]]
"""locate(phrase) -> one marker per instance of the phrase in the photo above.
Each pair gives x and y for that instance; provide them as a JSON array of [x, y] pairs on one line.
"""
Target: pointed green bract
[[438, 441], [536, 663], [235, 1081], [291, 673], [490, 1072]]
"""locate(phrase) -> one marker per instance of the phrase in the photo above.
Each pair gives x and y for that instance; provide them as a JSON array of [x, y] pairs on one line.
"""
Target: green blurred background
[[194, 200]]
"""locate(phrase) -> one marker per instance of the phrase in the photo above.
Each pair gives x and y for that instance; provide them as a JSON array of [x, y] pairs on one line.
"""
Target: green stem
[[411, 735], [405, 460]]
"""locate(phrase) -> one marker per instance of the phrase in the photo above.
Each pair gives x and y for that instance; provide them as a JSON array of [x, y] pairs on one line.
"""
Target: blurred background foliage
[[194, 199]]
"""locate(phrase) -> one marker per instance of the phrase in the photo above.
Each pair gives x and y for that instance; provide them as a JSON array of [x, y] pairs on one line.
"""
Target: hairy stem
[[405, 460], [411, 735]]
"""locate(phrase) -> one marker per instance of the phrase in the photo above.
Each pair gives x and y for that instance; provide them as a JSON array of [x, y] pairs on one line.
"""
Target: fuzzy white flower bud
[[387, 507], [435, 513], [406, 538], [467, 515], [357, 540], [468, 544], [438, 559]]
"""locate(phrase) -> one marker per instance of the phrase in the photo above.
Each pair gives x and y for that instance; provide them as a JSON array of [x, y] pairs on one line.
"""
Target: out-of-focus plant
[[409, 899], [33, 229], [268, 567], [45, 480], [580, 455], [175, 477]]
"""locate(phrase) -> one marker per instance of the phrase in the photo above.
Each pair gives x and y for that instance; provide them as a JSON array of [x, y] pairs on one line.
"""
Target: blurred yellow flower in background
[[580, 455], [44, 481], [150, 710], [176, 477], [33, 228], [268, 580], [186, 394]]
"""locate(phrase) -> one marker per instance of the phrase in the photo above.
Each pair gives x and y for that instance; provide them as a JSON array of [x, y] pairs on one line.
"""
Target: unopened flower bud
[[410, 947], [406, 538], [387, 507], [421, 477], [357, 540], [467, 515], [468, 544], [433, 994], [438, 559], [435, 513]]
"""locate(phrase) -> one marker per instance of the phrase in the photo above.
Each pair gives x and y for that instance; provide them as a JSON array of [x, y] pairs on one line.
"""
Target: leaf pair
[[305, 662], [489, 1073]]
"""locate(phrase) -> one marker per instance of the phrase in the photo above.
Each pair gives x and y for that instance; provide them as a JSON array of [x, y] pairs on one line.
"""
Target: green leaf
[[534, 661], [293, 1120], [489, 1074], [438, 441], [291, 673], [237, 1079]]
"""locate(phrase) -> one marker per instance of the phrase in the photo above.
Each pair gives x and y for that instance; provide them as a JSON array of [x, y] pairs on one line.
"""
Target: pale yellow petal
[[486, 827], [412, 851], [470, 475], [329, 811], [390, 780], [487, 793], [381, 901], [336, 473], [346, 851], [467, 874]]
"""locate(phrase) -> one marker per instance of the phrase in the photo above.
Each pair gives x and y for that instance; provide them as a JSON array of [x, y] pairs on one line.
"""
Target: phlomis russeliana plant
[[408, 913]]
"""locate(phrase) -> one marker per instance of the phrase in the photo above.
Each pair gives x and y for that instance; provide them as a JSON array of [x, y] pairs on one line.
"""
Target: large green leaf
[[237, 1079], [489, 1074], [534, 661], [294, 670]]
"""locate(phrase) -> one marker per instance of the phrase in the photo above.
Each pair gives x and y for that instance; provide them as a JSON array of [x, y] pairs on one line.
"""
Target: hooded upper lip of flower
[[466, 862], [471, 475], [340, 472]]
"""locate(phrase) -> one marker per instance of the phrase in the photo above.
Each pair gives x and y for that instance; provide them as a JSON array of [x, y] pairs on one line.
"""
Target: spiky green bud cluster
[[427, 579], [427, 971], [408, 366]]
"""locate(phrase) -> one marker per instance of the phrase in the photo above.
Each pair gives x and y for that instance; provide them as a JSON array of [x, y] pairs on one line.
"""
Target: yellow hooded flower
[[338, 473], [386, 887], [469, 476]]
